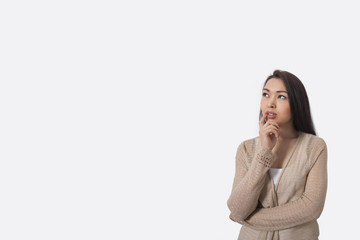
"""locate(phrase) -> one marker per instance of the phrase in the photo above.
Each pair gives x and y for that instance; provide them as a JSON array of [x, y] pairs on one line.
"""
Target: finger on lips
[[272, 127], [262, 120]]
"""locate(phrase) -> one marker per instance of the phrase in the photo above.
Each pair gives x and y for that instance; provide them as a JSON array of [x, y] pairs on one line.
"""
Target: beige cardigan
[[289, 210]]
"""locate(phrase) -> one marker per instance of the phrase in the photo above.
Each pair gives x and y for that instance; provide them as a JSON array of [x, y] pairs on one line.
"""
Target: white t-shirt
[[275, 173]]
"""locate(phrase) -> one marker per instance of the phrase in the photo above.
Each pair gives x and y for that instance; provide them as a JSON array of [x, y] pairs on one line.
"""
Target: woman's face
[[276, 100]]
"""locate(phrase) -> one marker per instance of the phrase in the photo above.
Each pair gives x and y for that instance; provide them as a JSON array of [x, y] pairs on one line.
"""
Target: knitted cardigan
[[288, 210]]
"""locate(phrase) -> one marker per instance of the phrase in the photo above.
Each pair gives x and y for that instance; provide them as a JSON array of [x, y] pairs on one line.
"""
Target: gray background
[[121, 119]]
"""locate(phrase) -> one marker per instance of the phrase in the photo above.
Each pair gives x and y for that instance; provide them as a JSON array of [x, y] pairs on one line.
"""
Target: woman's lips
[[270, 115]]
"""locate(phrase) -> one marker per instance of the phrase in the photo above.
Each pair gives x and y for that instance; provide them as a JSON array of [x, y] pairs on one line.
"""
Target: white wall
[[121, 120]]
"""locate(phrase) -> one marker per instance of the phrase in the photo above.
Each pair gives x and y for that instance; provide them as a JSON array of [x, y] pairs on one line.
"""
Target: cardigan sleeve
[[307, 208], [250, 173]]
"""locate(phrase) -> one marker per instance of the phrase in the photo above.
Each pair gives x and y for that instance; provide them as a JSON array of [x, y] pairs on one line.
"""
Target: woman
[[280, 181]]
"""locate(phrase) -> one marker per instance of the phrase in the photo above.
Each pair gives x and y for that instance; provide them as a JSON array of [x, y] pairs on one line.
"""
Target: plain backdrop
[[121, 119]]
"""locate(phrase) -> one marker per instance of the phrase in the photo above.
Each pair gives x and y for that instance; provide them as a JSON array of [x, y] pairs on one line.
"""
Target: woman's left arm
[[303, 210]]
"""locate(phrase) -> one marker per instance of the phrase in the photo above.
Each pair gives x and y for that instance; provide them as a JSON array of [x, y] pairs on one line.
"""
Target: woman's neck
[[288, 132]]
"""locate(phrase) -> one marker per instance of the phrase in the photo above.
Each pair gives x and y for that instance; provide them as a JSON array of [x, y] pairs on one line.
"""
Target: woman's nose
[[271, 103]]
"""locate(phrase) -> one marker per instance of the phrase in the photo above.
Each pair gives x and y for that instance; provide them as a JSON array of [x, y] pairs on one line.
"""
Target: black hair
[[299, 102]]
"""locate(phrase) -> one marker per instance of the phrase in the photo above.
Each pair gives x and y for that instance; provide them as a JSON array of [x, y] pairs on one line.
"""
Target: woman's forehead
[[275, 85]]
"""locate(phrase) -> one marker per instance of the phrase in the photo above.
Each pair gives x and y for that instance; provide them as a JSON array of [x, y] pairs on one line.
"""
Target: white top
[[275, 173]]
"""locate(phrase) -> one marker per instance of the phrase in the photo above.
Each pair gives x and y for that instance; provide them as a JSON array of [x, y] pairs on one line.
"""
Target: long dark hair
[[299, 102]]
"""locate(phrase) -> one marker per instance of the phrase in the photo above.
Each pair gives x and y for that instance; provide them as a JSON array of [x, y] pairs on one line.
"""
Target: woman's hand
[[269, 132]]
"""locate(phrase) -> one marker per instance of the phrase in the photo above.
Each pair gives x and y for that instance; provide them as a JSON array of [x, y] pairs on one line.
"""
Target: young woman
[[280, 181]]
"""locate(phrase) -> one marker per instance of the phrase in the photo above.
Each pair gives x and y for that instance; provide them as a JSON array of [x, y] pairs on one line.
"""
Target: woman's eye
[[265, 94], [282, 97]]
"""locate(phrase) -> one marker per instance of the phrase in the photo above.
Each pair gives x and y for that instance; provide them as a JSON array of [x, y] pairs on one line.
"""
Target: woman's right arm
[[248, 182], [250, 174]]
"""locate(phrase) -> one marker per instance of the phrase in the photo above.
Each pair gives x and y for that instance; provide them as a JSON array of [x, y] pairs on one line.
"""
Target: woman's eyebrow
[[276, 91]]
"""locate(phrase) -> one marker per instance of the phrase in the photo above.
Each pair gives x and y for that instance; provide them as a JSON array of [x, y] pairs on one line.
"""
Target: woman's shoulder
[[313, 138], [313, 142], [249, 145]]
